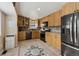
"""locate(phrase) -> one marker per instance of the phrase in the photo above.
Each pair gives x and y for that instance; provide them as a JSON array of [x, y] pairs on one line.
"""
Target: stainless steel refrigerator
[[70, 35]]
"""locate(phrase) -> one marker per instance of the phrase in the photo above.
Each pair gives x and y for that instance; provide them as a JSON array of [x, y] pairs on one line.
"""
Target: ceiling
[[7, 8], [36, 10]]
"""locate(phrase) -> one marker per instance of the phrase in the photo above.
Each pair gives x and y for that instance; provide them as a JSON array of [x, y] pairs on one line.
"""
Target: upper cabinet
[[42, 20], [57, 18], [69, 8], [77, 6], [51, 20], [23, 21], [54, 19]]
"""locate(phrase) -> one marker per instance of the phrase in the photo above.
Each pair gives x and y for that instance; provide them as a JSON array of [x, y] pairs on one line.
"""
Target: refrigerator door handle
[[71, 29], [75, 29]]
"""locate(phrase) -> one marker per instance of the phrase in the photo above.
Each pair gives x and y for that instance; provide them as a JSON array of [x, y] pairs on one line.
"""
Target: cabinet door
[[53, 40], [77, 5], [57, 18], [51, 20], [35, 34], [48, 38], [68, 8], [58, 41], [20, 21], [21, 35], [45, 19], [26, 22]]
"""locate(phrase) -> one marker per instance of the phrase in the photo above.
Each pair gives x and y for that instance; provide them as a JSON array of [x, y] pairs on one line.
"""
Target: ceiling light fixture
[[38, 9]]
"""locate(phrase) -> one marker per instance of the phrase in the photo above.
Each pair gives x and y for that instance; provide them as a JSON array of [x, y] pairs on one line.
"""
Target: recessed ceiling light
[[38, 9]]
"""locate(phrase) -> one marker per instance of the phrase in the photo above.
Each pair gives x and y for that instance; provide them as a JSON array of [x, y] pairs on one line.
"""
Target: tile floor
[[24, 45]]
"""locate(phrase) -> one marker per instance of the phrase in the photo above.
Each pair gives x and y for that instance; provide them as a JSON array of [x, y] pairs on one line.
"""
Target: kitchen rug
[[35, 50]]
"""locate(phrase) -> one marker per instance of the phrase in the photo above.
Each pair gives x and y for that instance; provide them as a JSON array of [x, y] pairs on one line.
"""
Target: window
[[33, 24]]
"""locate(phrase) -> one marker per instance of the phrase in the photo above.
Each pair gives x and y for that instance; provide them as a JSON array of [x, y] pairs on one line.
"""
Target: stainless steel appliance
[[70, 35], [44, 29]]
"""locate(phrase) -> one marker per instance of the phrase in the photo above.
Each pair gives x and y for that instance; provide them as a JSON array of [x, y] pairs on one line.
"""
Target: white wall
[[2, 28], [8, 26], [11, 26], [8, 22], [0, 24]]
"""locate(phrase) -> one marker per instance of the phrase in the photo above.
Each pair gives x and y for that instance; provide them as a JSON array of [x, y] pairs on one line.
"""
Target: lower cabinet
[[35, 34], [21, 35], [48, 38], [54, 40]]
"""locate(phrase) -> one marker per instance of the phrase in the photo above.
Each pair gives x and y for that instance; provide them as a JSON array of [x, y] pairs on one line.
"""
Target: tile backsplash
[[55, 29]]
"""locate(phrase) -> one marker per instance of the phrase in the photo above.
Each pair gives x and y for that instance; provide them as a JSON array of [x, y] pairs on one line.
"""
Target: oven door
[[67, 50]]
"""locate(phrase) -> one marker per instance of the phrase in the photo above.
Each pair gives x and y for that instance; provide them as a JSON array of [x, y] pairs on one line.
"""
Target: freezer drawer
[[67, 50]]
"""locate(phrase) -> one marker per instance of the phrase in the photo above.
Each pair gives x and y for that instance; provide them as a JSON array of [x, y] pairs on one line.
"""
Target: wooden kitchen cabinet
[[57, 18], [42, 20], [20, 21], [23, 23], [48, 38], [54, 40], [21, 35], [51, 20], [77, 6], [68, 8], [35, 34], [57, 39]]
